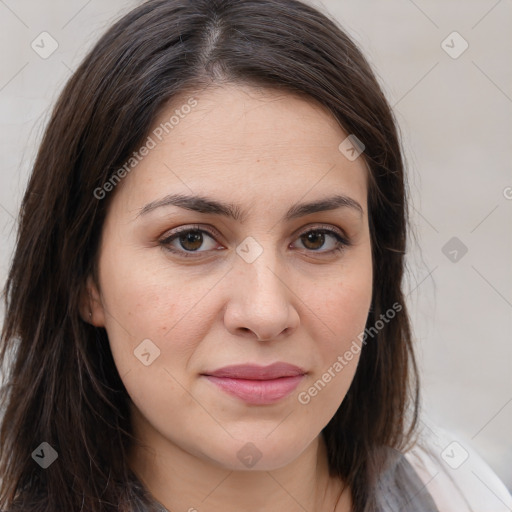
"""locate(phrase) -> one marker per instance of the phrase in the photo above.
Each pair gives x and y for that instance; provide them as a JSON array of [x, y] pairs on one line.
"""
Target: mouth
[[258, 385]]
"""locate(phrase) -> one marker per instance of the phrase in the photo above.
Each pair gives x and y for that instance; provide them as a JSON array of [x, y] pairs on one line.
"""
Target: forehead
[[246, 143]]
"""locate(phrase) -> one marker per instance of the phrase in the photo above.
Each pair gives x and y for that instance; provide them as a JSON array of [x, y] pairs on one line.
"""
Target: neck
[[180, 480]]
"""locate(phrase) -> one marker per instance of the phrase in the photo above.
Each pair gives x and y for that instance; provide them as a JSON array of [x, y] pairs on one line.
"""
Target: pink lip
[[258, 384]]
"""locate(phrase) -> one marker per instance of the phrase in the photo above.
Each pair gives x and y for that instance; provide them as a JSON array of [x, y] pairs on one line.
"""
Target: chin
[[259, 454]]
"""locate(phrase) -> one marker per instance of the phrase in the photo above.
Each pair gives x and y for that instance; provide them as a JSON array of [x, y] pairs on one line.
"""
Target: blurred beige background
[[454, 107]]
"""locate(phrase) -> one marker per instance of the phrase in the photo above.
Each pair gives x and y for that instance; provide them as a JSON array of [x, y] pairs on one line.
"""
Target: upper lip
[[255, 372]]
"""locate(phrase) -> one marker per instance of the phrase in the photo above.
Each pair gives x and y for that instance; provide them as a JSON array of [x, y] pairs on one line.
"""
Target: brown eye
[[186, 242], [316, 239], [191, 240], [313, 240]]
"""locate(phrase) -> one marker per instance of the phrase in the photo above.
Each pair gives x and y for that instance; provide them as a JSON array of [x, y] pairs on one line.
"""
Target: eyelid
[[327, 227], [213, 232], [342, 239], [192, 227]]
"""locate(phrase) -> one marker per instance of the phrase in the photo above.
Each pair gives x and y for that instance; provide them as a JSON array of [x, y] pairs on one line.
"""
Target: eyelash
[[341, 241]]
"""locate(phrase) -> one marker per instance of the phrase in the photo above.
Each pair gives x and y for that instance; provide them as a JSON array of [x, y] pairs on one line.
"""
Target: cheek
[[145, 301], [346, 313], [342, 313], [341, 307], [342, 302]]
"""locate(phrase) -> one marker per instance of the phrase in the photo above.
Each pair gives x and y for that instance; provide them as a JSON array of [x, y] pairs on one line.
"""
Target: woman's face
[[256, 281]]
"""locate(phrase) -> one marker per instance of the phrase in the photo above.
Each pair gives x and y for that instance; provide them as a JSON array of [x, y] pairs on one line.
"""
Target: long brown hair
[[61, 384]]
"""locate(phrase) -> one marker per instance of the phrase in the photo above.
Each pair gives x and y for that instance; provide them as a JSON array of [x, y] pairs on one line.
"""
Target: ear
[[91, 306]]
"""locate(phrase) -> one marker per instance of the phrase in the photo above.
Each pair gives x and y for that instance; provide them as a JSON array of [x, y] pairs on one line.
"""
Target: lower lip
[[257, 391]]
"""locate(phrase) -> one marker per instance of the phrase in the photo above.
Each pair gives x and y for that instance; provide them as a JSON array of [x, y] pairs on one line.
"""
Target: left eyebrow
[[207, 205]]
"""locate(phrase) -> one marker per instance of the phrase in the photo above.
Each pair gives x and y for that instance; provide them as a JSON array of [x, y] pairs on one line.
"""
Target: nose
[[261, 300]]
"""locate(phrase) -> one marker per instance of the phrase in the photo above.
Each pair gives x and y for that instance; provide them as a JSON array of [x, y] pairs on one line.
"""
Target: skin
[[297, 302]]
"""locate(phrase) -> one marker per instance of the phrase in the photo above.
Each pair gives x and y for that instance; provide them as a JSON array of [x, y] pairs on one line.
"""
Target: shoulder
[[398, 486], [457, 478]]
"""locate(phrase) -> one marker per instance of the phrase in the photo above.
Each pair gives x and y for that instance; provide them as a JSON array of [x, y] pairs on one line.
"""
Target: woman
[[204, 309]]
